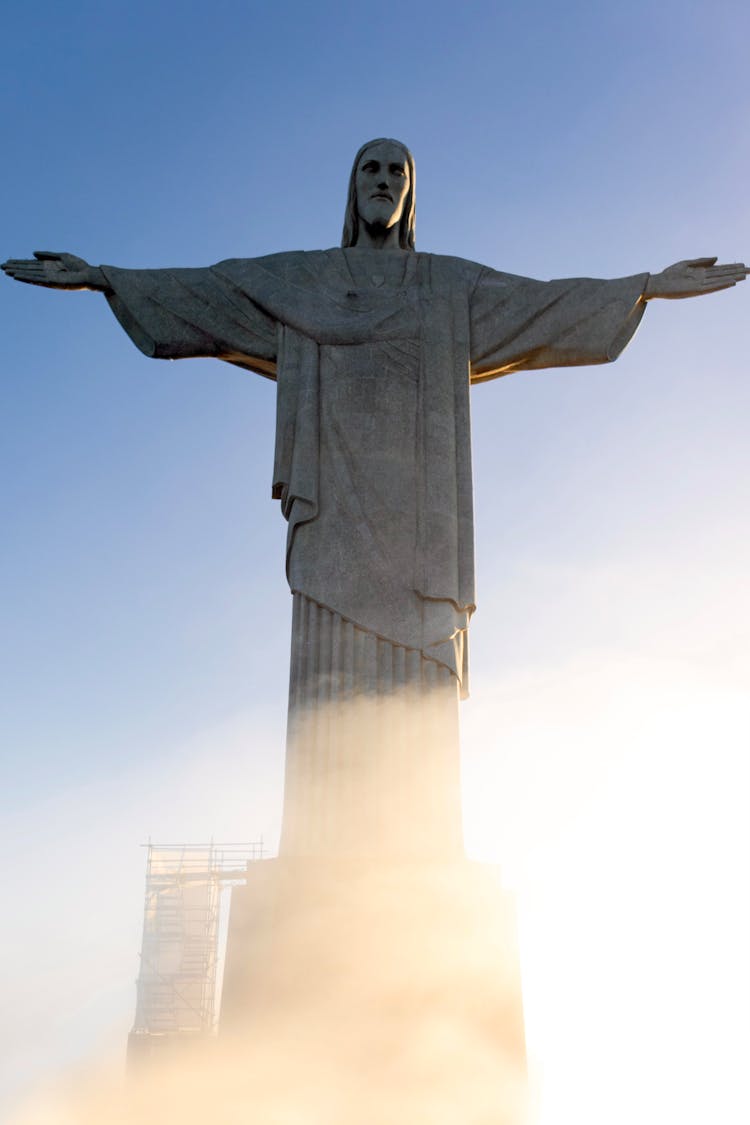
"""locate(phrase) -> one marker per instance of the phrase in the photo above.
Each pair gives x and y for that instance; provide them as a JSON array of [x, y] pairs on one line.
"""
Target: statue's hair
[[407, 222]]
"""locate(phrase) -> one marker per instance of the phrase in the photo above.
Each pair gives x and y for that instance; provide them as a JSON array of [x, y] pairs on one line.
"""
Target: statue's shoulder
[[299, 267], [474, 270], [452, 268], [275, 263]]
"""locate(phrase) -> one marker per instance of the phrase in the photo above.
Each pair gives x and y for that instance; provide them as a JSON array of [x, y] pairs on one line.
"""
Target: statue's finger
[[46, 255], [712, 286], [701, 262], [731, 271], [32, 279], [28, 275], [725, 271], [29, 267]]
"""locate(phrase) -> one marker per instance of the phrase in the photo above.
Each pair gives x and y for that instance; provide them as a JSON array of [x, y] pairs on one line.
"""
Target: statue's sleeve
[[518, 323], [184, 313]]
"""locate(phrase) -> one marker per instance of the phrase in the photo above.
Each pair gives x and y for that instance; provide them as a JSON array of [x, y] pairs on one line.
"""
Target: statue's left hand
[[693, 278], [55, 271]]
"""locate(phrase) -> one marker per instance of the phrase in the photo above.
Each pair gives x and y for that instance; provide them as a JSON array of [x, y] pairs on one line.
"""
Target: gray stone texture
[[374, 348]]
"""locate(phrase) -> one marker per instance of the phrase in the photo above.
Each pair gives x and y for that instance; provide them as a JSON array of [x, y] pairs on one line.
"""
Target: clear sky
[[143, 612]]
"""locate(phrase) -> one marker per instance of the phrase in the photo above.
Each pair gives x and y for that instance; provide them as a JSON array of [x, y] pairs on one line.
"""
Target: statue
[[374, 347]]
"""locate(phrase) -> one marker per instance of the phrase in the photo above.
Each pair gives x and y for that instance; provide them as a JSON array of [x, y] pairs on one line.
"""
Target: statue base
[[378, 991]]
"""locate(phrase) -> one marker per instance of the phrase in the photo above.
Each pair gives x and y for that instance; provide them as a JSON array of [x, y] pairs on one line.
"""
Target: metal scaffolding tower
[[183, 931]]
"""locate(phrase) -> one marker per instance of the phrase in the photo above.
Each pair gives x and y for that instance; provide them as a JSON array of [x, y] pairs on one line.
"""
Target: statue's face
[[382, 182]]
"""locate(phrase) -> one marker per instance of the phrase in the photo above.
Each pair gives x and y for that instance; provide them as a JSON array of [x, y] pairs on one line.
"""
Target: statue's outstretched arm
[[56, 271], [693, 278]]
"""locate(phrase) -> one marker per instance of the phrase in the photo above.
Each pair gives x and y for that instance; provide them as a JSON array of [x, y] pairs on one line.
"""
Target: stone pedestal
[[384, 991]]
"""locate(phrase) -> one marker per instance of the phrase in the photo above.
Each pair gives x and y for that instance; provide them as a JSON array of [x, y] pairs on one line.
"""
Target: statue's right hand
[[55, 271]]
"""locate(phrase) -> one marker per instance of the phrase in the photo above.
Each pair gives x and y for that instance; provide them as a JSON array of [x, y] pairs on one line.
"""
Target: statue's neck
[[378, 237]]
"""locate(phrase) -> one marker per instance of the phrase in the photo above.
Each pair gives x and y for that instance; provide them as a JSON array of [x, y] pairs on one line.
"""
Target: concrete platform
[[394, 986]]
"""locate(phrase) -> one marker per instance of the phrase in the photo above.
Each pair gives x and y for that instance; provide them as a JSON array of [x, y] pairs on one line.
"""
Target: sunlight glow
[[628, 852]]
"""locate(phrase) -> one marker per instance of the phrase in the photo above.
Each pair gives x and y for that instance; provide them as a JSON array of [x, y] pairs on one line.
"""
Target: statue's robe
[[374, 353]]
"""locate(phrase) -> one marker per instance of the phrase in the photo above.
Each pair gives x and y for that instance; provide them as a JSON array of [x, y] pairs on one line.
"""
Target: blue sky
[[143, 612]]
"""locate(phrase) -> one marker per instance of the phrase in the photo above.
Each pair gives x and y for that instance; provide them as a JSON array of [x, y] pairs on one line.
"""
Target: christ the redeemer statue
[[374, 348]]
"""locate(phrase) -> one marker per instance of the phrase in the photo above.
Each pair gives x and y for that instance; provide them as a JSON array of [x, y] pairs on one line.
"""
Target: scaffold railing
[[183, 922]]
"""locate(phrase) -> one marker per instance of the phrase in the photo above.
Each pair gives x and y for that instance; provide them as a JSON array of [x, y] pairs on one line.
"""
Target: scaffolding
[[184, 921]]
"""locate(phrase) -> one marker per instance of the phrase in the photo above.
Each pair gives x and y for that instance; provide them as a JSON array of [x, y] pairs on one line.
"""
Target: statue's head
[[381, 191]]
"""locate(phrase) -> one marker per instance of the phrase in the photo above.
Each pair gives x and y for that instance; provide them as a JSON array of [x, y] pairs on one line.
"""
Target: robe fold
[[373, 460], [374, 353]]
